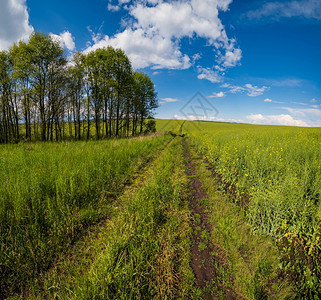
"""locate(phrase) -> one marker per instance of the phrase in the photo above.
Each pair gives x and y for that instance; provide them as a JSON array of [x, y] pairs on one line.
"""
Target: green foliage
[[43, 93], [150, 126]]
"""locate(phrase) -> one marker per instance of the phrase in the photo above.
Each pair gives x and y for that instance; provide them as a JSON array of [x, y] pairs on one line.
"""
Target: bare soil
[[204, 259]]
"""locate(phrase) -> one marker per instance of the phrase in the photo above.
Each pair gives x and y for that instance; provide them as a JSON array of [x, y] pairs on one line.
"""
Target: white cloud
[[207, 118], [178, 19], [275, 120], [146, 50], [196, 57], [300, 103], [218, 95], [232, 58], [153, 32], [254, 91], [282, 119], [303, 111], [170, 100], [287, 9], [286, 120], [113, 7], [233, 88], [313, 100], [65, 39], [14, 22], [208, 74], [270, 100]]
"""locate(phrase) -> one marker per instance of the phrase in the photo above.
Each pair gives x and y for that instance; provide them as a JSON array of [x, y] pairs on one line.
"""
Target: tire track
[[203, 260], [202, 249]]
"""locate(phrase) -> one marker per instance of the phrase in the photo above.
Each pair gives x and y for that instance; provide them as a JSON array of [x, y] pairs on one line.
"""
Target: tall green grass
[[50, 191], [146, 253], [142, 251], [278, 169]]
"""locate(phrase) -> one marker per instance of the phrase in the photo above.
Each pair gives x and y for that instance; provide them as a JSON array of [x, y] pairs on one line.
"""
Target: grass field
[[211, 210], [50, 192]]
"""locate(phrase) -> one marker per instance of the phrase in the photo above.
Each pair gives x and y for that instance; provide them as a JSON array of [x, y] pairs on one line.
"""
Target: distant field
[[211, 210], [166, 125]]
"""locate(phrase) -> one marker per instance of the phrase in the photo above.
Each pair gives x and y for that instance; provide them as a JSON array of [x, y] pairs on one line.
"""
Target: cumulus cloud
[[286, 9], [14, 22], [282, 119], [113, 7], [218, 95], [153, 32], [208, 74], [313, 100], [65, 39], [232, 58], [268, 100], [145, 50]]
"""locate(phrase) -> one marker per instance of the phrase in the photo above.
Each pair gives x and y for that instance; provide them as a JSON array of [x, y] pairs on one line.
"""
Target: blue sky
[[254, 61]]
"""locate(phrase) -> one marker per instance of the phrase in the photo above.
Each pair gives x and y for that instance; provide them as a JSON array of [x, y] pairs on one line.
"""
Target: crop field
[[199, 210], [276, 173]]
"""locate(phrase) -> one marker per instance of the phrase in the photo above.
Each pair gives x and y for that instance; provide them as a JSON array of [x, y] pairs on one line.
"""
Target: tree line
[[44, 96]]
